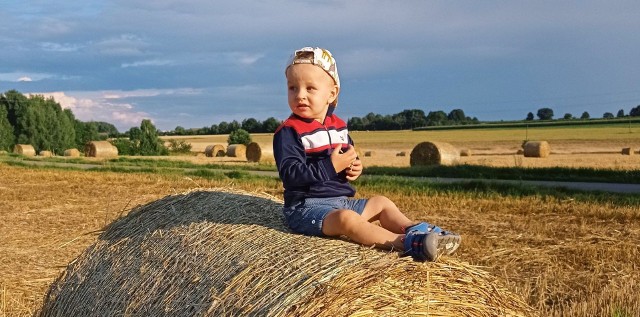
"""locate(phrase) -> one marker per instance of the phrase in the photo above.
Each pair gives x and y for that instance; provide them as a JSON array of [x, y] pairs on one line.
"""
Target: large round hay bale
[[100, 149], [627, 151], [218, 253], [24, 149], [434, 153], [215, 150], [260, 153], [466, 152], [72, 153], [237, 150], [536, 149], [45, 154]]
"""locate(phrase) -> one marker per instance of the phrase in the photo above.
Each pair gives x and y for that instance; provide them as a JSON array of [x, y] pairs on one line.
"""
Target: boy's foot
[[430, 246], [423, 227]]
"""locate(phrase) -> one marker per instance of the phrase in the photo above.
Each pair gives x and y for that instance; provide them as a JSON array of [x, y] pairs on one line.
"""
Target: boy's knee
[[340, 221]]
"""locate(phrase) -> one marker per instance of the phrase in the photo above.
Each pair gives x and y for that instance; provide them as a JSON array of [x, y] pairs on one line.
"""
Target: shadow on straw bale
[[222, 253]]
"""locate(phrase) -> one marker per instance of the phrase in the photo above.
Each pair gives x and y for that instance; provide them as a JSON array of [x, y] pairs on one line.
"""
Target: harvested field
[[566, 258]]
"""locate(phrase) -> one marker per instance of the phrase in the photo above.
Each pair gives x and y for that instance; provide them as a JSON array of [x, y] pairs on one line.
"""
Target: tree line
[[547, 114]]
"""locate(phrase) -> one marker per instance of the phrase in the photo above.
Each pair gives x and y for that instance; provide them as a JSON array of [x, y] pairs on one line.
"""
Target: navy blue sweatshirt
[[302, 149]]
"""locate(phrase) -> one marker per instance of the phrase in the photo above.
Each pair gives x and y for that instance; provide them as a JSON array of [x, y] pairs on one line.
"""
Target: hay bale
[[46, 154], [403, 153], [72, 153], [536, 149], [24, 149], [260, 153], [215, 150], [520, 152], [627, 151], [237, 150], [221, 253], [3, 152], [466, 152], [434, 153], [100, 149], [368, 153]]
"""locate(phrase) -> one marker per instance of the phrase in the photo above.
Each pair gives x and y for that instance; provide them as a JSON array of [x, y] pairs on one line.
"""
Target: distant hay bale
[[215, 150], [72, 153], [536, 149], [201, 154], [520, 152], [260, 153], [24, 149], [403, 153], [368, 153], [100, 149], [3, 152], [46, 154], [627, 151], [466, 152], [434, 153], [222, 253], [237, 150]]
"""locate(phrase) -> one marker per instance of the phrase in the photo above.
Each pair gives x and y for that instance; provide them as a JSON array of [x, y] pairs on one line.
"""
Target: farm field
[[584, 146], [565, 257]]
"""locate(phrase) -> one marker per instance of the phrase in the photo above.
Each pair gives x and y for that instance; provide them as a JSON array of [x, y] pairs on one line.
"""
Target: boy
[[316, 161]]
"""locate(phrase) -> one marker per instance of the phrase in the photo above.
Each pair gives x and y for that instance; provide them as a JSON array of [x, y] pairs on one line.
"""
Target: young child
[[316, 161]]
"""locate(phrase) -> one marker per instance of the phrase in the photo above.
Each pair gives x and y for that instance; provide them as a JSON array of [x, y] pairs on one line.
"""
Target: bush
[[239, 136], [179, 146]]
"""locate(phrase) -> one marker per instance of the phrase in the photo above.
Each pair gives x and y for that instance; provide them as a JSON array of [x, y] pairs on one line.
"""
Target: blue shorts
[[306, 216]]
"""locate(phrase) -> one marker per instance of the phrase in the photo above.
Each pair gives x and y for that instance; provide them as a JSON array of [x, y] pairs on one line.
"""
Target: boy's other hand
[[343, 160], [355, 170]]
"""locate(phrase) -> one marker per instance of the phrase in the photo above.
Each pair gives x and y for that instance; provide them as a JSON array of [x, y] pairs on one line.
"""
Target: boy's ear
[[334, 93]]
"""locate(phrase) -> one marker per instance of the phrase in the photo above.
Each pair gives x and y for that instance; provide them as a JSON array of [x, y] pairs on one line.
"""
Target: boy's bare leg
[[383, 209], [357, 228]]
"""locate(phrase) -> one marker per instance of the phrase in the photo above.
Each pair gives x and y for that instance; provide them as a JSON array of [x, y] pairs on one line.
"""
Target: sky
[[197, 63]]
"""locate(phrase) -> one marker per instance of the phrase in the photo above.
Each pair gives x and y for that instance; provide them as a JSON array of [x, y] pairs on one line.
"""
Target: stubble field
[[565, 257]]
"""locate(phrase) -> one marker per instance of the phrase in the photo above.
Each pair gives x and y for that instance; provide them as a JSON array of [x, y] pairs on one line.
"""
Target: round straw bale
[[46, 154], [100, 149], [369, 153], [466, 152], [403, 153], [627, 151], [434, 153], [260, 153], [520, 152], [222, 253], [24, 149], [237, 150], [214, 150], [536, 149], [72, 152], [3, 152]]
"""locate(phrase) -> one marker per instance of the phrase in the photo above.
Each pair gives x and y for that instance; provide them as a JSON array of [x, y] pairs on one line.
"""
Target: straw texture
[[260, 153], [536, 149], [215, 150], [434, 153], [24, 149], [100, 149], [237, 150], [46, 154], [222, 253], [72, 153]]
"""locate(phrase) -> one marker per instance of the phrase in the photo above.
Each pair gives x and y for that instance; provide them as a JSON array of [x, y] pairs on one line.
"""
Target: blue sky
[[196, 63]]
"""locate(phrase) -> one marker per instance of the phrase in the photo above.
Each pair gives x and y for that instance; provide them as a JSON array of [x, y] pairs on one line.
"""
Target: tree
[[585, 115], [149, 143], [457, 115], [251, 125], [568, 116], [620, 113], [436, 118], [223, 127], [545, 114], [635, 112], [179, 131], [529, 116], [607, 115], [239, 136], [6, 131], [270, 125]]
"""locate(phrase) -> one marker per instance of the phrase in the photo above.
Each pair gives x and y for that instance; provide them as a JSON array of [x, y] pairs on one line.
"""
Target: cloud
[[25, 78], [56, 47], [154, 62], [122, 45]]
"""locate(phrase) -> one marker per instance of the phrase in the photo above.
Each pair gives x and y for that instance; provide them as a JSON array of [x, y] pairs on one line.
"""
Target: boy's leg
[[349, 223], [383, 209]]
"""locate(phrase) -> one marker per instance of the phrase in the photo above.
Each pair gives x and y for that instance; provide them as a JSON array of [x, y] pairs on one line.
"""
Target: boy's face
[[311, 90]]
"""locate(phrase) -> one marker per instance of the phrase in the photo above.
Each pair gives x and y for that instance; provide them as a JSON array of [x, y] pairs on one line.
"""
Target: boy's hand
[[343, 160], [355, 170]]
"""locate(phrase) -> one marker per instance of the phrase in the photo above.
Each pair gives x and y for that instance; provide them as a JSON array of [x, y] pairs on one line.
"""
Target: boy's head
[[312, 82]]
